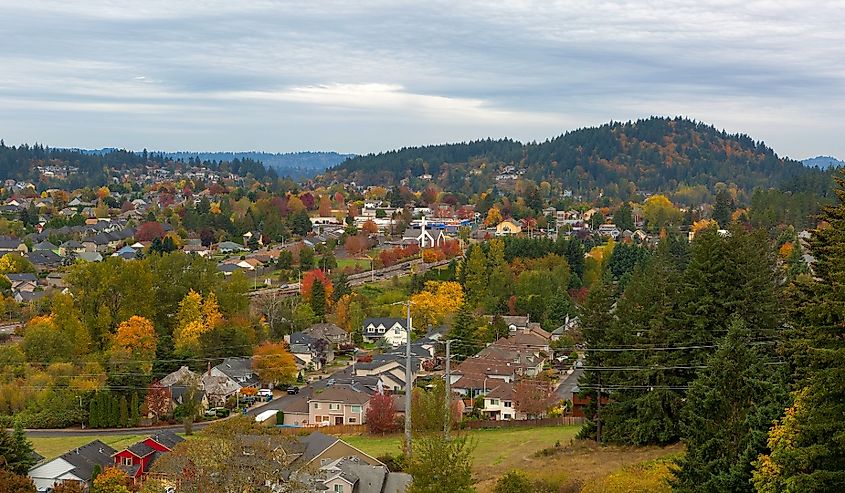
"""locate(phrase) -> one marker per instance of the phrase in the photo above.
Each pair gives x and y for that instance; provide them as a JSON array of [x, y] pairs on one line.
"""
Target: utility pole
[[598, 412], [447, 422], [408, 383]]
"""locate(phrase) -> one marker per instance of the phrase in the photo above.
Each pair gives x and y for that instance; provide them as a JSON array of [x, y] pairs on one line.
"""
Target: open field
[[353, 263], [573, 465]]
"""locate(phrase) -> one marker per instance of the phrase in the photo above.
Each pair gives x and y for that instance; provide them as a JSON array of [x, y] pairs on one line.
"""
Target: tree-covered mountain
[[824, 162], [616, 159], [297, 165]]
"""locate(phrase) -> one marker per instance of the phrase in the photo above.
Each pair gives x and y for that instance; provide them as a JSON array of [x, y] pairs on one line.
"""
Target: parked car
[[266, 394], [293, 390]]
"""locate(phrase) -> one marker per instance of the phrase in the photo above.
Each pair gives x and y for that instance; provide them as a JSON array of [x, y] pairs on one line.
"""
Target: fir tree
[[134, 410], [93, 413], [723, 208], [25, 454], [475, 283], [729, 409]]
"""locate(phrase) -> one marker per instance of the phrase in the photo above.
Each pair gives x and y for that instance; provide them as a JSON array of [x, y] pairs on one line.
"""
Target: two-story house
[[77, 465], [137, 459], [338, 405], [393, 331], [499, 403]]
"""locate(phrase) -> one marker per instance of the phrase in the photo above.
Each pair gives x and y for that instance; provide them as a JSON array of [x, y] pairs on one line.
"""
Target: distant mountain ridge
[[823, 162], [297, 165], [617, 159]]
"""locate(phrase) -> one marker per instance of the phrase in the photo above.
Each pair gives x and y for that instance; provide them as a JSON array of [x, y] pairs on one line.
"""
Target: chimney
[[209, 368]]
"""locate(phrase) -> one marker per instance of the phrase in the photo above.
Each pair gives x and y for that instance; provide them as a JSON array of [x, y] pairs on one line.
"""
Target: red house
[[138, 458]]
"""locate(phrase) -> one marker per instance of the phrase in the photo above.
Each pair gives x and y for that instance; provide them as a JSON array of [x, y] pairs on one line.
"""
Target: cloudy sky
[[361, 76]]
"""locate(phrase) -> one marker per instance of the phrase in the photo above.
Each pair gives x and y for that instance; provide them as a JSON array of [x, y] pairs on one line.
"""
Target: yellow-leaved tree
[[194, 318], [273, 363], [659, 212], [135, 340], [434, 304]]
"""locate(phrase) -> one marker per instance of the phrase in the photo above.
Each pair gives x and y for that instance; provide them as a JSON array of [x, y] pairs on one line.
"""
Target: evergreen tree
[[134, 410], [93, 413], [475, 283], [500, 278], [464, 332], [808, 454], [24, 452], [623, 218], [729, 409], [723, 208], [341, 286], [123, 420], [318, 299]]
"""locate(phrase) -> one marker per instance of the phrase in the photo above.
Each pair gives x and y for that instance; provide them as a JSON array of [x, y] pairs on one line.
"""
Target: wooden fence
[[524, 423]]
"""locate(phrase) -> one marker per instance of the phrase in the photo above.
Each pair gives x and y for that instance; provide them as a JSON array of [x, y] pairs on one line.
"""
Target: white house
[[392, 330]]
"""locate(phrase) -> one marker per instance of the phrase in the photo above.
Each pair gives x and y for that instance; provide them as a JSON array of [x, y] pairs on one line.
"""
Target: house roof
[[22, 277], [502, 391], [167, 438], [44, 245], [140, 449], [84, 458], [345, 393], [315, 444], [325, 330]]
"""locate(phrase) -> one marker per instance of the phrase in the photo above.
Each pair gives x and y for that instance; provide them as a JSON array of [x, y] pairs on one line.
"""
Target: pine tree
[[24, 451], [500, 280], [729, 408], [722, 208], [596, 317]]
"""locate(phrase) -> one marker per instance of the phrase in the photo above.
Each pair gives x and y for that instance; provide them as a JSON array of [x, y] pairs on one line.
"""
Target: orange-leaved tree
[[308, 284], [273, 363]]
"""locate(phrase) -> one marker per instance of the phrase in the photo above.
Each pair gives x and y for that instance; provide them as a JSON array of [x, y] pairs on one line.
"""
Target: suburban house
[[12, 245], [310, 352], [351, 475], [23, 282], [389, 369], [237, 370], [391, 330], [330, 332], [76, 465], [338, 405], [71, 247], [499, 404], [138, 458], [508, 228]]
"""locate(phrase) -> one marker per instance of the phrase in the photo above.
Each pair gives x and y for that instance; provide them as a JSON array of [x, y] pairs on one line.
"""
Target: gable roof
[[84, 458], [167, 438], [140, 449]]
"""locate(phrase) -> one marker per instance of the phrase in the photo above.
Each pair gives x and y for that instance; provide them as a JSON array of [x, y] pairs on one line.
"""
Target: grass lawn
[[51, 447], [353, 263], [573, 465], [497, 450]]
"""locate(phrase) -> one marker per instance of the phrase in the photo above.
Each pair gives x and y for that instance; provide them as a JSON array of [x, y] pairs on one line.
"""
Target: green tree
[[623, 218], [134, 410], [475, 283], [318, 299], [729, 409], [807, 448], [723, 208], [124, 412], [500, 279], [16, 452], [442, 466], [464, 332]]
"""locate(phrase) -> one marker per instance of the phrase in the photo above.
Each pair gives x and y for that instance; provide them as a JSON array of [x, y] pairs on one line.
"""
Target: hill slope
[[652, 155]]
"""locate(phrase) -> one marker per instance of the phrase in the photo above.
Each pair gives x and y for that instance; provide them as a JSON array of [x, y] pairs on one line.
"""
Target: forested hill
[[297, 165], [652, 155]]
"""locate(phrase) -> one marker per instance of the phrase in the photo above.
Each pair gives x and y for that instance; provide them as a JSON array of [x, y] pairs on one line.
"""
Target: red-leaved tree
[[533, 397], [381, 415], [149, 231]]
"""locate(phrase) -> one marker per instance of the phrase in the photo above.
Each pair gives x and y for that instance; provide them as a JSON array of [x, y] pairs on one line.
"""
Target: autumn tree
[[157, 401], [148, 231], [325, 208], [369, 227], [308, 280], [15, 483], [533, 397], [13, 263], [273, 363], [437, 302], [494, 217], [381, 414], [111, 480], [659, 212]]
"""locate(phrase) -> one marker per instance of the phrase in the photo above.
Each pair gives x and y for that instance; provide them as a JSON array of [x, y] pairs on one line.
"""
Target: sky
[[367, 76]]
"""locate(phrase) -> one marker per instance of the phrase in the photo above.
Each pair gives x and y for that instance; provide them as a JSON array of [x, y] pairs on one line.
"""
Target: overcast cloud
[[370, 76]]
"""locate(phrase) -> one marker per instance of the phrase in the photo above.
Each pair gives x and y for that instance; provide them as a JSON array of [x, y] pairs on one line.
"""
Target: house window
[[356, 409], [381, 330], [352, 420], [338, 488], [334, 407], [397, 330], [508, 404], [127, 461], [317, 419], [316, 405]]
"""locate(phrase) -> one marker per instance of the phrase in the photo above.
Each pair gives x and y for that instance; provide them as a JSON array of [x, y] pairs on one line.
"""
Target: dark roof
[[315, 444], [140, 449], [25, 276], [44, 245], [238, 368], [168, 439], [44, 257], [87, 456]]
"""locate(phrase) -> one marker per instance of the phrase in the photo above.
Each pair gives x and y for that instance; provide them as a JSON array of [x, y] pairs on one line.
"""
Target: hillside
[[823, 162], [297, 165], [653, 155]]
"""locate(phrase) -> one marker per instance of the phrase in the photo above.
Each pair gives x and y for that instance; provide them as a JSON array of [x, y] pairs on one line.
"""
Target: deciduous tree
[[273, 363]]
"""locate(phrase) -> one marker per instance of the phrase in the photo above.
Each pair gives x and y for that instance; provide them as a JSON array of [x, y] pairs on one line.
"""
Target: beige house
[[338, 405]]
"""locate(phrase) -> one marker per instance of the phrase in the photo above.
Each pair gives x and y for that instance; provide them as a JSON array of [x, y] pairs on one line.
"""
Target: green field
[[353, 263]]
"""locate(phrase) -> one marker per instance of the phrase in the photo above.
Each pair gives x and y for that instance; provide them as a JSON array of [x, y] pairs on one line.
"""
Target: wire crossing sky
[[371, 76]]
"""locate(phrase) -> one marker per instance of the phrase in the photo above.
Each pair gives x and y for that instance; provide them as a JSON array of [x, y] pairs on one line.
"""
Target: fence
[[328, 430], [524, 423]]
